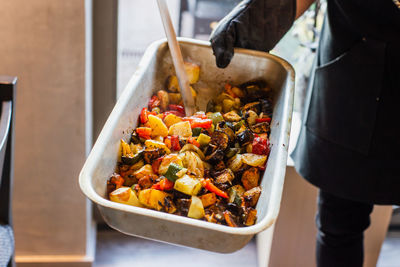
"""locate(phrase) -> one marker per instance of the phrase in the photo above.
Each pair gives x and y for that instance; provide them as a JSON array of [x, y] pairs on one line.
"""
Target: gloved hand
[[252, 24]]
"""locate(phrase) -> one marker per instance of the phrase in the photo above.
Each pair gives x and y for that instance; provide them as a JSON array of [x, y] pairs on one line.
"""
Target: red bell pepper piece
[[198, 122], [175, 145], [193, 141], [164, 185], [258, 120], [156, 164], [260, 146], [167, 141], [178, 108], [144, 132], [212, 188], [154, 102], [144, 115]]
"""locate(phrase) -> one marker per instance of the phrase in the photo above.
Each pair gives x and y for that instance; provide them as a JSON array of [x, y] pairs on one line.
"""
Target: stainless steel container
[[150, 76]]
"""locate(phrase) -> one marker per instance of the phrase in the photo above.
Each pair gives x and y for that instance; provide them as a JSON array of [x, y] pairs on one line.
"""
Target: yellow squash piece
[[157, 125], [196, 209], [192, 71], [188, 185], [125, 195], [182, 129], [157, 144], [156, 199], [171, 119]]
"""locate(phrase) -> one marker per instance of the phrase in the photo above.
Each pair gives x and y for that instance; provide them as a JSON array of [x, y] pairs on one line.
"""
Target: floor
[[116, 249], [119, 250]]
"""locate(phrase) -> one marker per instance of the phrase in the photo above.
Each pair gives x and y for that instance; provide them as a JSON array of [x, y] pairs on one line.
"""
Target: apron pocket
[[345, 96]]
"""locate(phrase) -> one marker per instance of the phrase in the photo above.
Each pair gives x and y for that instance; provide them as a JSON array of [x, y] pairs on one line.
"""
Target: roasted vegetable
[[220, 139], [208, 199], [125, 195], [250, 178], [157, 126], [262, 127], [251, 216], [157, 200], [225, 177], [172, 172], [192, 71], [245, 137], [188, 185], [235, 194], [251, 196], [181, 129], [203, 139], [254, 159], [171, 119], [196, 209], [232, 116]]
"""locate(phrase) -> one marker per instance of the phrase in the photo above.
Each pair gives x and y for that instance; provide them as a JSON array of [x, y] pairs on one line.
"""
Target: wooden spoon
[[177, 59]]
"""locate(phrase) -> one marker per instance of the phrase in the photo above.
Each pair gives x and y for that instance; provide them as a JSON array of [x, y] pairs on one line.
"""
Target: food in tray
[[206, 166]]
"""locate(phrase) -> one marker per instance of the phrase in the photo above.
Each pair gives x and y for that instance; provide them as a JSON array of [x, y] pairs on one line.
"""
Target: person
[[349, 145]]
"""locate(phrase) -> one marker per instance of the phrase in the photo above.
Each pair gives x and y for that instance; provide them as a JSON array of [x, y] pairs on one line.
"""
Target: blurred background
[[73, 59]]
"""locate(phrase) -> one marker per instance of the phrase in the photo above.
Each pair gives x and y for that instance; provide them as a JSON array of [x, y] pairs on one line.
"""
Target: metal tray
[[154, 68]]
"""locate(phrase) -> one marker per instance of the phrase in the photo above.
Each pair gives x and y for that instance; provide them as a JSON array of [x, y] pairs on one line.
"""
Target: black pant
[[341, 224]]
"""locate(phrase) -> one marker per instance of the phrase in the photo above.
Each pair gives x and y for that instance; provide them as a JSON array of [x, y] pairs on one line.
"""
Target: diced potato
[[250, 178], [196, 209], [192, 71], [157, 200], [224, 96], [157, 144], [175, 98], [125, 195], [232, 116], [227, 105], [254, 159], [164, 99], [188, 185], [182, 129], [237, 91], [157, 125], [173, 84], [171, 119], [167, 160], [144, 171], [251, 217], [208, 199], [251, 196]]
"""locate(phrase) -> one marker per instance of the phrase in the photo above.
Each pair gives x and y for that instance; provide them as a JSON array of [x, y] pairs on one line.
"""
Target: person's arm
[[254, 24], [302, 6]]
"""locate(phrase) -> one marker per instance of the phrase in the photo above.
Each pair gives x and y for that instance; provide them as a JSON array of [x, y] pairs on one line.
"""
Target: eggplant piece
[[130, 160], [220, 139], [250, 178], [182, 206], [250, 116], [266, 106], [219, 165], [150, 154], [215, 157], [210, 148], [259, 128], [251, 196], [135, 138], [245, 137], [254, 106], [225, 177]]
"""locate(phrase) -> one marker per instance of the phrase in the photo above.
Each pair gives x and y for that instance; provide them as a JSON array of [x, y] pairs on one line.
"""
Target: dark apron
[[349, 143]]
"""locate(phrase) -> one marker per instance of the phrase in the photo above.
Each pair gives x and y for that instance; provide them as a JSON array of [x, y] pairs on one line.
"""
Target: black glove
[[252, 24]]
